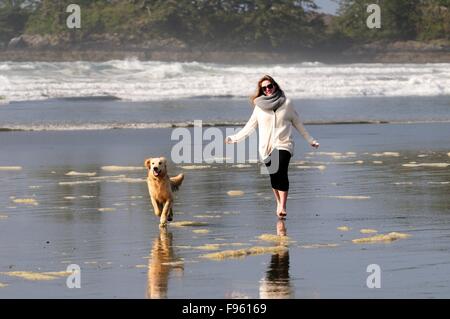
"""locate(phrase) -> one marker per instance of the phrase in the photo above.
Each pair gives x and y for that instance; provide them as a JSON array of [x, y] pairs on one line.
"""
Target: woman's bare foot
[[281, 213], [279, 209]]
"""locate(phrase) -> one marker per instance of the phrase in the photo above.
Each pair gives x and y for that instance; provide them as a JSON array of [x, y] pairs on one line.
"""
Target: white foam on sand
[[37, 276], [114, 168], [439, 183], [381, 238], [343, 228], [74, 173], [377, 162], [319, 246], [392, 154], [334, 155], [141, 266], [241, 165], [437, 165], [235, 193], [188, 224], [10, 168], [217, 159], [349, 197], [231, 213], [76, 183], [26, 201], [320, 167], [403, 183], [344, 156], [106, 209], [326, 153], [276, 238], [368, 231], [240, 253], [353, 162], [107, 178], [201, 231], [128, 180], [118, 179], [207, 216], [237, 295], [195, 166]]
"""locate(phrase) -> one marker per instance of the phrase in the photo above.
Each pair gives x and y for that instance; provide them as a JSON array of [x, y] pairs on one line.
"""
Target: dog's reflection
[[161, 262], [276, 284]]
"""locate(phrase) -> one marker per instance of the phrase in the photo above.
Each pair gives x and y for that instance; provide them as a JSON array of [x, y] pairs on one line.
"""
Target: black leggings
[[279, 177]]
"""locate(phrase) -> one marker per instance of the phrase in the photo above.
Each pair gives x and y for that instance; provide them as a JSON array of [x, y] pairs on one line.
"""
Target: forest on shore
[[221, 25]]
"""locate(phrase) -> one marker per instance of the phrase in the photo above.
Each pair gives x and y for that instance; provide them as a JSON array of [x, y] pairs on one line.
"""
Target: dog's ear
[[163, 160], [147, 162]]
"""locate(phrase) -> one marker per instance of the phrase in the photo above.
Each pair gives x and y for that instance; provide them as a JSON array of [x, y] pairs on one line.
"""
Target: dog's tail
[[176, 181]]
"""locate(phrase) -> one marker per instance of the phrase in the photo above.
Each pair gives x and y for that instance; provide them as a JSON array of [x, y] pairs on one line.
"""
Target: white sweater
[[275, 129]]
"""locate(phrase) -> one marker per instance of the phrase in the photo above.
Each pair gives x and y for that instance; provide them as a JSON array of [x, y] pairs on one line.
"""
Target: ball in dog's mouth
[[156, 171]]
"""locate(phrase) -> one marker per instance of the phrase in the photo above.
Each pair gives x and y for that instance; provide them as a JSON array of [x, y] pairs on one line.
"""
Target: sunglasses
[[270, 87]]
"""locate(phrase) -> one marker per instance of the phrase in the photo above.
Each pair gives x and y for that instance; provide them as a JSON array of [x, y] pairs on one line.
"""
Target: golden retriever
[[160, 187]]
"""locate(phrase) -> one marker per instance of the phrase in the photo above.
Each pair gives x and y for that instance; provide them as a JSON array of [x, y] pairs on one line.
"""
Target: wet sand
[[59, 206]]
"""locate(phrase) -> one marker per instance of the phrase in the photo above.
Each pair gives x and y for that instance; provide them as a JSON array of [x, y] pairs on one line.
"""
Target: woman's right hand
[[228, 140], [315, 144]]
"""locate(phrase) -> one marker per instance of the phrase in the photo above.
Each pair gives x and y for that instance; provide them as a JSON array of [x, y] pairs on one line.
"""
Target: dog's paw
[[163, 225]]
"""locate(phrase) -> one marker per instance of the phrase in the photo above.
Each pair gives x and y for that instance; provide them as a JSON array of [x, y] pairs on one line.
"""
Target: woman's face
[[267, 87]]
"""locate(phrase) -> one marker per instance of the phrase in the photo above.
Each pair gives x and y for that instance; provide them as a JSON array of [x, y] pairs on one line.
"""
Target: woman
[[274, 115]]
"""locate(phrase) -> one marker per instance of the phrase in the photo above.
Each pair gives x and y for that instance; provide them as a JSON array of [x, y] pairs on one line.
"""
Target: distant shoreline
[[358, 55]]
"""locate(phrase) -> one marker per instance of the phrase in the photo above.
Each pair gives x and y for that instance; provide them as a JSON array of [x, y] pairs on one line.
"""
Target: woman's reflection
[[161, 262], [276, 284]]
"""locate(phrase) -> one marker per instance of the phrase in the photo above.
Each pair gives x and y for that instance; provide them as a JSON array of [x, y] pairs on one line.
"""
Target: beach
[[73, 192], [104, 222]]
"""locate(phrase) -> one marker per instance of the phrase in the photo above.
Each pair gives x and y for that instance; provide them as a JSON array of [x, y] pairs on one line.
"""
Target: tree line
[[229, 24]]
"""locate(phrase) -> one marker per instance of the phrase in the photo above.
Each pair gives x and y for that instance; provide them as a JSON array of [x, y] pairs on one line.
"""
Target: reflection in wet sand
[[161, 262], [276, 284]]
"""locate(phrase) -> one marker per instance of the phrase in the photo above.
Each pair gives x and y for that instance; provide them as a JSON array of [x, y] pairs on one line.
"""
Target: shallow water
[[107, 226], [100, 114]]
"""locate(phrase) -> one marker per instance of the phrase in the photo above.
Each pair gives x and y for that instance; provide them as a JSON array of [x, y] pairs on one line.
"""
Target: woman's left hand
[[315, 144]]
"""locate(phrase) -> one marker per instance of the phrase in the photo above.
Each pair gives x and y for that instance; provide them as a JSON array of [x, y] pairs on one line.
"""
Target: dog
[[161, 188]]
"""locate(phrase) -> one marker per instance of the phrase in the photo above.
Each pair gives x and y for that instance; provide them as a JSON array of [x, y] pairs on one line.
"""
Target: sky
[[327, 6]]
